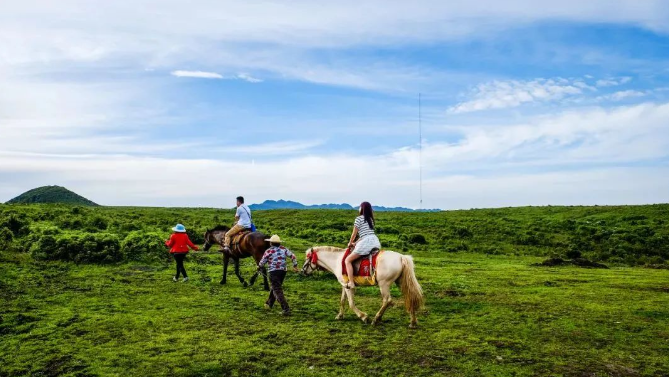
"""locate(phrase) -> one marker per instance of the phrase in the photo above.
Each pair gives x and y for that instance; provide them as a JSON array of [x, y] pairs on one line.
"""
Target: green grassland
[[88, 291]]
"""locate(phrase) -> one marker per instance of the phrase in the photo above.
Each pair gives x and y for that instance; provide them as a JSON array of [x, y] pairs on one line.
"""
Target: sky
[[172, 103]]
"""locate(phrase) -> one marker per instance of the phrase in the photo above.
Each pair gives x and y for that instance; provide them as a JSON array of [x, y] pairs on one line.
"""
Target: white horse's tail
[[411, 290]]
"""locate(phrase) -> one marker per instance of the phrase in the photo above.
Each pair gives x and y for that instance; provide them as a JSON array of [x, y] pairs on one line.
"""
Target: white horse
[[390, 267]]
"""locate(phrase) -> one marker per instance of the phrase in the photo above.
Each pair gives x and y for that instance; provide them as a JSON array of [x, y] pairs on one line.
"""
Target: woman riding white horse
[[363, 239], [391, 267]]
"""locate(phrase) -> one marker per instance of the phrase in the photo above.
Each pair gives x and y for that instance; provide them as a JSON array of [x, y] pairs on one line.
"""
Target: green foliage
[[78, 247], [140, 245], [6, 238], [16, 223], [632, 235]]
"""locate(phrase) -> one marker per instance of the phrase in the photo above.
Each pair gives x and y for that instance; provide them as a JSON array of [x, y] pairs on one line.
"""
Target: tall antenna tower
[[420, 152]]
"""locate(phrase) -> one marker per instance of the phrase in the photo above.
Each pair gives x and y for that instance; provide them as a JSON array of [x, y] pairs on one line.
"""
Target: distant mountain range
[[51, 194], [58, 194], [287, 204]]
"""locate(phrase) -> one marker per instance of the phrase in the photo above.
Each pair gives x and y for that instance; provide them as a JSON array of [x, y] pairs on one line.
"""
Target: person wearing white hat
[[276, 257], [179, 244]]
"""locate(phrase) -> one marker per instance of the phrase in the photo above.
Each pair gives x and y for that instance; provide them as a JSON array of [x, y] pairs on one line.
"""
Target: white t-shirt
[[244, 214]]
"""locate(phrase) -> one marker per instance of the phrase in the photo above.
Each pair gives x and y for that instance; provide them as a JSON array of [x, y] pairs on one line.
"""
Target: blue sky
[[172, 104]]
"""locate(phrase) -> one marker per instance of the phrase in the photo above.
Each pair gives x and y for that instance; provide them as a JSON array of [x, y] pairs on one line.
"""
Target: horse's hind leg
[[342, 304], [386, 301], [226, 260], [239, 275]]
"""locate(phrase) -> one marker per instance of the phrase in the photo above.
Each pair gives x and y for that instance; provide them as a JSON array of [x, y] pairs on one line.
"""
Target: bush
[[144, 246], [417, 238], [463, 232], [573, 253], [6, 238], [98, 222], [78, 247], [17, 224], [196, 236]]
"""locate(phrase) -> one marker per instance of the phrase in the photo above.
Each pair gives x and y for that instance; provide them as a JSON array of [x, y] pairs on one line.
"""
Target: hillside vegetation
[[625, 235], [51, 194]]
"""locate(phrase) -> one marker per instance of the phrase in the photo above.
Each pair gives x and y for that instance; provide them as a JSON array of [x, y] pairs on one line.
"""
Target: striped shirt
[[363, 228]]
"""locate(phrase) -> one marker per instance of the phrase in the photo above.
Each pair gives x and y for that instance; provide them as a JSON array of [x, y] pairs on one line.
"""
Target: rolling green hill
[[51, 194]]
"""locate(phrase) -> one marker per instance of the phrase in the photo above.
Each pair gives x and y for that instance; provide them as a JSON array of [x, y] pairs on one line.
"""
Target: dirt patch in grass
[[580, 262]]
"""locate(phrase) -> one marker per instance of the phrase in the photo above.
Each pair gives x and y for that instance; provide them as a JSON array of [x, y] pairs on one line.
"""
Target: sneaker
[[184, 280], [174, 279]]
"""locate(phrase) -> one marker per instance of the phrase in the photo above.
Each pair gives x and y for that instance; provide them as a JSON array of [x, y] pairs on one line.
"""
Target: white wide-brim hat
[[274, 239]]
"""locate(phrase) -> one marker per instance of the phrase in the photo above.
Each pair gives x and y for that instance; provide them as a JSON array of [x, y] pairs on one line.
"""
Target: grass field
[[485, 315], [88, 292]]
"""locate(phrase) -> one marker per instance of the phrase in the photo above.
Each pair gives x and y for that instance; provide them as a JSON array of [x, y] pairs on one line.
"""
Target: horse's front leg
[[362, 315], [239, 275], [226, 260], [342, 304], [386, 301]]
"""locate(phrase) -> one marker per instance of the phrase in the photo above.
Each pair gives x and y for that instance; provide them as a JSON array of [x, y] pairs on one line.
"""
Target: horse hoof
[[413, 325], [376, 321], [365, 319], [245, 284], [222, 282], [339, 317]]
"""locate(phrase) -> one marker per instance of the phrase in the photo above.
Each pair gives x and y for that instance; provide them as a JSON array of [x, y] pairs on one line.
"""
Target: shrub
[[417, 238], [463, 232], [6, 238], [71, 223], [144, 246], [17, 224], [196, 236], [78, 247], [573, 253], [98, 222]]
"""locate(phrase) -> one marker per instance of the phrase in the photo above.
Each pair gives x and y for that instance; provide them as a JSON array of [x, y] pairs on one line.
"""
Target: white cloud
[[504, 94], [622, 95], [613, 82], [579, 156], [197, 74], [249, 78]]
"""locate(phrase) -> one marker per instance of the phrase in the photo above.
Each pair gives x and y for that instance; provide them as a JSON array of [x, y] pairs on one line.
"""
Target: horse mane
[[328, 248], [219, 227]]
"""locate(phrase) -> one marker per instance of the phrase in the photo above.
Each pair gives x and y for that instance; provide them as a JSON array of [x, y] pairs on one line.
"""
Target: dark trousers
[[179, 258], [276, 289]]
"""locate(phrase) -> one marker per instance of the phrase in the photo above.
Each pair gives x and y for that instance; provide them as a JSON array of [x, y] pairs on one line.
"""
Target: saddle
[[237, 238], [364, 269]]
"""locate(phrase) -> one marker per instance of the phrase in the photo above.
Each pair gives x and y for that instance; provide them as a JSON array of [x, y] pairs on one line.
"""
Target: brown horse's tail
[[411, 289]]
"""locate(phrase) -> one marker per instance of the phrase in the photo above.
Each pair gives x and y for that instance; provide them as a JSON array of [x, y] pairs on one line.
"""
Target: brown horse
[[248, 245]]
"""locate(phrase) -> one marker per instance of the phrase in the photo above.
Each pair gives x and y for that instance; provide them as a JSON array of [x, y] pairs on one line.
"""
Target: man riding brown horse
[[243, 222], [243, 245]]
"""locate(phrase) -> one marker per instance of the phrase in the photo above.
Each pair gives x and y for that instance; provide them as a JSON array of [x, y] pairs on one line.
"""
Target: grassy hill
[[51, 194]]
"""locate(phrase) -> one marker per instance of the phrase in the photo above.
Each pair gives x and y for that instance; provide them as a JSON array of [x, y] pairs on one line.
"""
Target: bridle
[[312, 260]]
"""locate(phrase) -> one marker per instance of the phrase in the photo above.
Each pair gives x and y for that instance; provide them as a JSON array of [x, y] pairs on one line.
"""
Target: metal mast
[[420, 152]]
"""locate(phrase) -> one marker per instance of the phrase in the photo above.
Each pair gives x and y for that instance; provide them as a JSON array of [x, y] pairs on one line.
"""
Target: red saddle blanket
[[365, 266]]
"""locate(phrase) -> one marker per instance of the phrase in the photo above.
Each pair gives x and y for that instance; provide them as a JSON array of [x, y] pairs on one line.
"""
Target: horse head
[[310, 262], [207, 244]]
